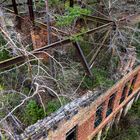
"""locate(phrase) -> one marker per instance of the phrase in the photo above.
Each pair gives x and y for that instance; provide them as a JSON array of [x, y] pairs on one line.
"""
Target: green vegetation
[[86, 48], [4, 54], [54, 2], [135, 109], [1, 88], [71, 15], [39, 4], [79, 38], [9, 101], [76, 38], [34, 112], [54, 105], [129, 127], [101, 79], [4, 137]]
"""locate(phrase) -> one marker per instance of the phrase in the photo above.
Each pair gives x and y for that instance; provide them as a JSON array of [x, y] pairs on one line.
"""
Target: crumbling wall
[[82, 113]]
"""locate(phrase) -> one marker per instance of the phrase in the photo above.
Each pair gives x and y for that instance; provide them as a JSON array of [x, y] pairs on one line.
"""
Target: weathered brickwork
[[39, 37], [82, 112]]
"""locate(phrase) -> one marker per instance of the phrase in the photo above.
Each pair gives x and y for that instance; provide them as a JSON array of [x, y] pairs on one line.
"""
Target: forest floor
[[129, 126]]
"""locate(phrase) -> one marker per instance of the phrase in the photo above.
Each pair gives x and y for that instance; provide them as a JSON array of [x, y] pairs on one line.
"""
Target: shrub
[[9, 101], [88, 83], [71, 15], [136, 109], [32, 113], [54, 105], [129, 128]]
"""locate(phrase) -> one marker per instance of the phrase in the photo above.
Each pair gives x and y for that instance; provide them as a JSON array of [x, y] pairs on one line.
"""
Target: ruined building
[[90, 115]]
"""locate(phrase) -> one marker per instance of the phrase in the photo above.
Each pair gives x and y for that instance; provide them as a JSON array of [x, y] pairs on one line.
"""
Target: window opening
[[132, 85], [110, 104], [71, 135], [124, 92], [99, 115]]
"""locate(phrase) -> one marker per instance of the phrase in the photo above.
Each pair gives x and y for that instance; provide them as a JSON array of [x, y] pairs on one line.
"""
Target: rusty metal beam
[[13, 61], [133, 19], [130, 19], [83, 59], [98, 50], [17, 60], [93, 18], [68, 40]]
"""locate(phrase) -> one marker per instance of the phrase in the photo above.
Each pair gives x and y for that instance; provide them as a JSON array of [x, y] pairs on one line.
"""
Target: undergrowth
[[4, 54], [33, 112], [129, 128], [100, 79], [70, 15]]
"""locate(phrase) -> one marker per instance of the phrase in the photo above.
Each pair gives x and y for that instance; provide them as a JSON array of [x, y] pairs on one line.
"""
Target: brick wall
[[39, 37], [82, 113]]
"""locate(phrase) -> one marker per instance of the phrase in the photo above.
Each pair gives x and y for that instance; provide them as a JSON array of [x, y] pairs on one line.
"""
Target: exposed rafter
[[131, 19], [21, 58]]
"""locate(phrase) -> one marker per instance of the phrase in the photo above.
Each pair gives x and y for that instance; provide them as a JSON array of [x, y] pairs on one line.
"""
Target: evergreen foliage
[[32, 112], [70, 15]]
